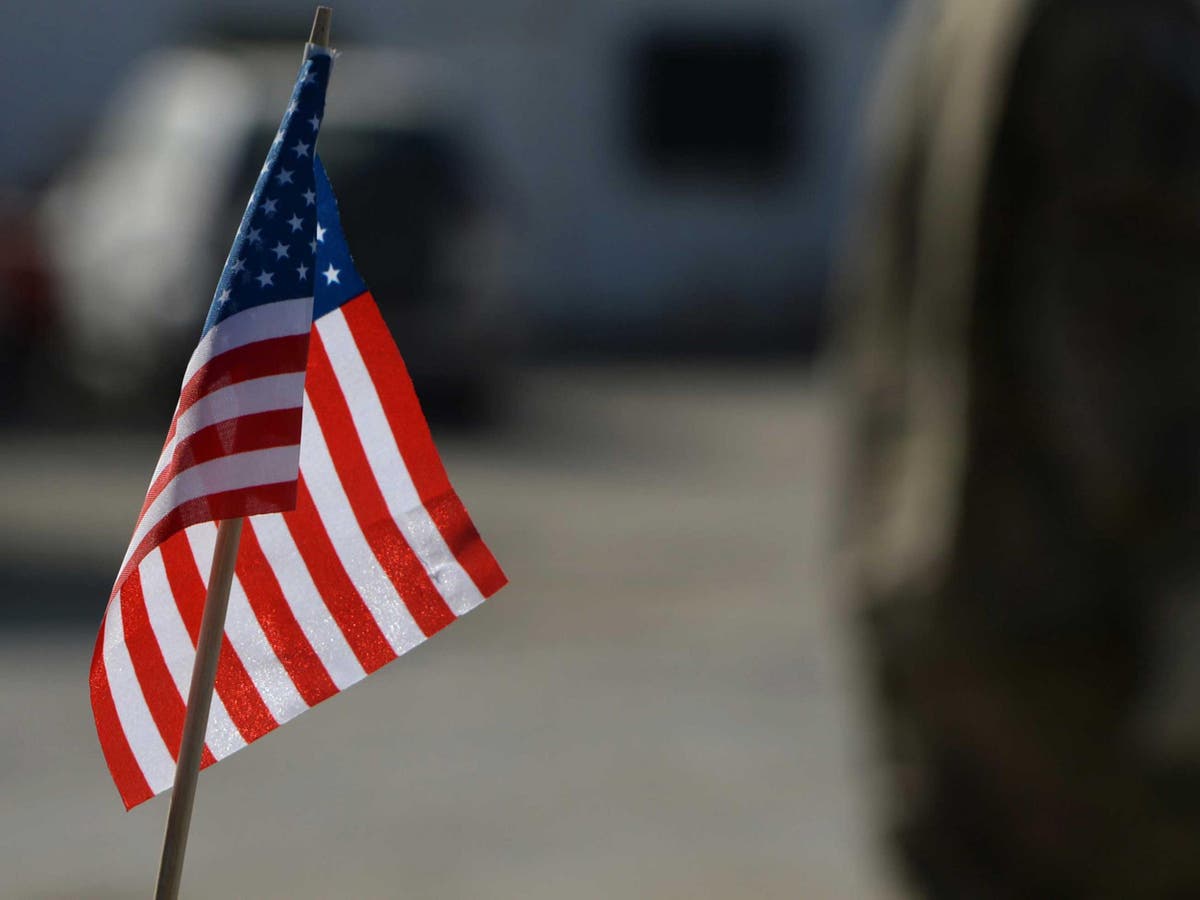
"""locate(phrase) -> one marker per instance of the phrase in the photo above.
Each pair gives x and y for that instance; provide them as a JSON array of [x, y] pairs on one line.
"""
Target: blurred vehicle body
[[671, 172], [1027, 442], [137, 229], [678, 169]]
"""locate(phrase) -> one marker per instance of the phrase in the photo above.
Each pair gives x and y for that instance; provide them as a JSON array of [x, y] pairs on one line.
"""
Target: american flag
[[295, 409]]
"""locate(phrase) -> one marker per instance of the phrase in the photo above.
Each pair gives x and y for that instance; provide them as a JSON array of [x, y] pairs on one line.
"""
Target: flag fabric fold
[[296, 411]]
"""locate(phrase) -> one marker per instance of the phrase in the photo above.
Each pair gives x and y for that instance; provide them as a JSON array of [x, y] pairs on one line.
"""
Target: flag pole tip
[[322, 25]]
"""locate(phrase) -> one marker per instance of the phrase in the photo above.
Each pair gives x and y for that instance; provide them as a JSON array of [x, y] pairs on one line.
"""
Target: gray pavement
[[662, 704]]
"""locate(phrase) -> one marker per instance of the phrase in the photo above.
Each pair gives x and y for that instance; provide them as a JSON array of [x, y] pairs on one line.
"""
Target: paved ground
[[661, 705]]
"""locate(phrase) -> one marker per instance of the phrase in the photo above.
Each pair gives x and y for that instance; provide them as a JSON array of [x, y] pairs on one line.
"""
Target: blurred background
[[822, 372]]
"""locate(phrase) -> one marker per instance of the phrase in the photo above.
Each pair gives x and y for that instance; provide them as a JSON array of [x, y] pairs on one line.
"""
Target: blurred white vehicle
[[137, 228]]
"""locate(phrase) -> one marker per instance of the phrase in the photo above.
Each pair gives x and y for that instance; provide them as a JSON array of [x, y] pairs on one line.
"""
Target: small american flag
[[296, 409]]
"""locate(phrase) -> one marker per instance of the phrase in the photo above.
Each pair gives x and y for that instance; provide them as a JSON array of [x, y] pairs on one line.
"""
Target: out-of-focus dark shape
[[137, 228], [28, 305], [1028, 470], [718, 104]]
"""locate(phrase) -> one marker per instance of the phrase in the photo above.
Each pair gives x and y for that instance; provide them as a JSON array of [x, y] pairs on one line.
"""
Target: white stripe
[[179, 653], [245, 634], [242, 399], [305, 601], [227, 473], [391, 474], [147, 745], [259, 323], [337, 517]]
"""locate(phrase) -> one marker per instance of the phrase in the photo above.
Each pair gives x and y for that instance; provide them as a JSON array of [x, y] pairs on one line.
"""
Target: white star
[[265, 278], [254, 235], [280, 249], [269, 206], [302, 271], [284, 176], [331, 275], [312, 245], [301, 148], [309, 77], [278, 137], [296, 222], [291, 107], [320, 233], [237, 265], [315, 122], [224, 296], [266, 167], [309, 197]]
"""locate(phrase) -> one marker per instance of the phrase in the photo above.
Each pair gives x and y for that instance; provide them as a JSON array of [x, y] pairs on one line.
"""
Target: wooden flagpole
[[204, 675], [208, 651]]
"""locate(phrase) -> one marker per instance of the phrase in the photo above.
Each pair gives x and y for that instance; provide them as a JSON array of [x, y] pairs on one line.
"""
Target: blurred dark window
[[716, 103]]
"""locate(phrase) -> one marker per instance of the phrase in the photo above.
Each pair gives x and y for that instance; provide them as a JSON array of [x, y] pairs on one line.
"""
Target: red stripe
[[234, 685], [403, 411], [244, 434], [251, 501], [279, 624], [167, 708], [458, 531], [126, 773], [396, 393], [274, 356], [403, 566], [349, 611]]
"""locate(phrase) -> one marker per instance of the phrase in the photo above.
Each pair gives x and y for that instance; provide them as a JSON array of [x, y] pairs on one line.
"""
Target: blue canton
[[338, 281], [274, 254]]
